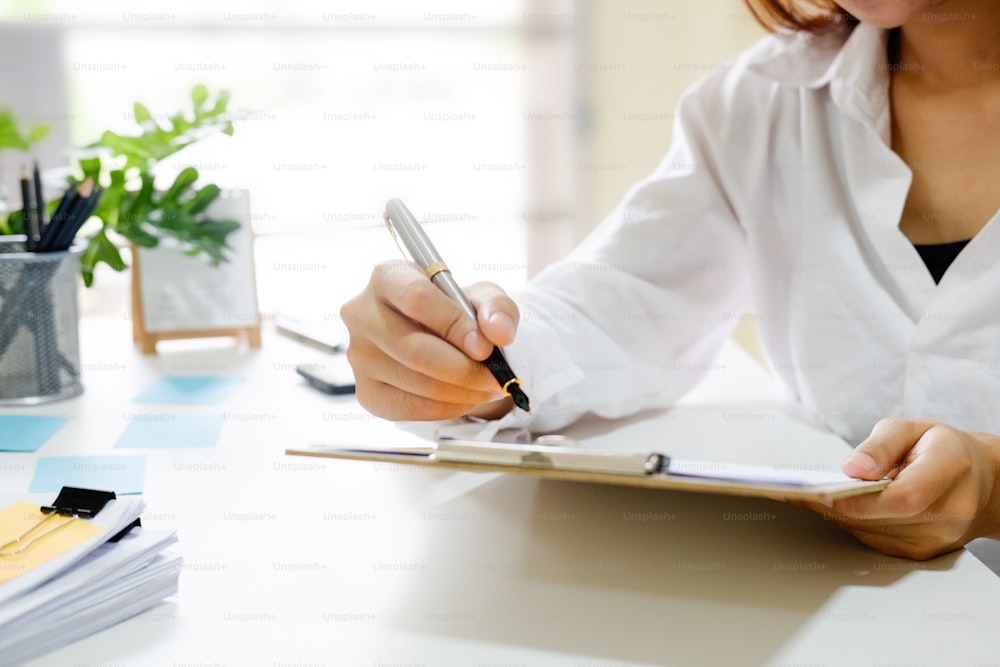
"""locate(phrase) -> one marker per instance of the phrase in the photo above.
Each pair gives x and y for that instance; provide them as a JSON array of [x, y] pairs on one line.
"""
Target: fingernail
[[474, 343], [503, 323], [862, 464]]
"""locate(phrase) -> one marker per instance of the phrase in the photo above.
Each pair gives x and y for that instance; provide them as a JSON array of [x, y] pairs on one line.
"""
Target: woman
[[839, 179]]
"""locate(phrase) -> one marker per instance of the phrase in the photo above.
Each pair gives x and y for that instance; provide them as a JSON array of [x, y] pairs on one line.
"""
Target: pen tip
[[520, 398]]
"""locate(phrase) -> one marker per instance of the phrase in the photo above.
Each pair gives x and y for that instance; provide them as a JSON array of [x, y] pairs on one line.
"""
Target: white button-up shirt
[[781, 195]]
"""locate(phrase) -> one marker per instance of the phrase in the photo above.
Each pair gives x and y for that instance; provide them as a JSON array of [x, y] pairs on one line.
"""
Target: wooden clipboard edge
[[776, 492]]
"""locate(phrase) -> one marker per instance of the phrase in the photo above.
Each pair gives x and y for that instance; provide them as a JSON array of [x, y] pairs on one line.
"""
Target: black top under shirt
[[939, 256]]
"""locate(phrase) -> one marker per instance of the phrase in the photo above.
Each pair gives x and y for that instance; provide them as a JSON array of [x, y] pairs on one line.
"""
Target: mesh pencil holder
[[39, 338]]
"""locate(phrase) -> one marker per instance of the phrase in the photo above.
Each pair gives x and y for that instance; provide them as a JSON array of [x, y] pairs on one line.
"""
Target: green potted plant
[[131, 205]]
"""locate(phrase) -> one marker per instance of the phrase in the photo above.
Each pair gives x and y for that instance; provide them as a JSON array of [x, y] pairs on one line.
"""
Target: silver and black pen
[[405, 228]]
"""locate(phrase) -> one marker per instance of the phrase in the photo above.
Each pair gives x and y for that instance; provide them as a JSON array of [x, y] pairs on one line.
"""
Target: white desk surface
[[294, 561]]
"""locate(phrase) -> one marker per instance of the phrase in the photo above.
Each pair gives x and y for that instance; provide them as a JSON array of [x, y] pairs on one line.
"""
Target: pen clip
[[392, 232]]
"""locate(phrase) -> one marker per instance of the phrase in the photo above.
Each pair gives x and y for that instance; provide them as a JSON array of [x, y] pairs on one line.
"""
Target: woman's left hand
[[944, 491]]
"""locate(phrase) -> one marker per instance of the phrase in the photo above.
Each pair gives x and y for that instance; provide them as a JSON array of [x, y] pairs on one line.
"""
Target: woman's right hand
[[416, 354]]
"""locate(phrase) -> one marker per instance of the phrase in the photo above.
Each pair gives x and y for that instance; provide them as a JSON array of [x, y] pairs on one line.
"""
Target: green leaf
[[10, 135], [181, 184], [37, 133], [138, 235], [202, 199], [141, 113], [219, 229], [137, 152], [133, 209], [175, 221], [221, 103], [91, 168], [109, 208], [15, 222], [108, 253], [180, 123], [199, 94], [99, 249], [117, 178]]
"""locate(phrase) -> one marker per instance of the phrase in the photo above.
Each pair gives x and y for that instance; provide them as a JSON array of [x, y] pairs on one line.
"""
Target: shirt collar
[[854, 65]]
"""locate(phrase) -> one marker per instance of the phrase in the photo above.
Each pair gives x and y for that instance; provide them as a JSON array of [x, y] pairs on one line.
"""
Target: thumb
[[497, 314], [885, 448]]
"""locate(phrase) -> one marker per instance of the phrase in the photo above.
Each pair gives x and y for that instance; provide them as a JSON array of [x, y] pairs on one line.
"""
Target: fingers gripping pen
[[415, 243]]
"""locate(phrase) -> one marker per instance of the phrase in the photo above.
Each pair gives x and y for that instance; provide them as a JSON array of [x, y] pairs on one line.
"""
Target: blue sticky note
[[162, 431], [188, 389], [121, 474], [26, 433]]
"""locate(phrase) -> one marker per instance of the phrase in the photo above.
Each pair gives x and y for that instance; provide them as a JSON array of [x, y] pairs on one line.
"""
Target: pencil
[[81, 215], [62, 233], [59, 217], [39, 202], [29, 240], [64, 204]]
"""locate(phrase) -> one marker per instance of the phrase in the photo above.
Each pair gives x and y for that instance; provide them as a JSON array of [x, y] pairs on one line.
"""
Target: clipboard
[[651, 470]]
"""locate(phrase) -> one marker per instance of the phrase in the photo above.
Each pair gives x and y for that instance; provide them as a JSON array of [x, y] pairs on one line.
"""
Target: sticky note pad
[[189, 389], [26, 433], [121, 474], [162, 431]]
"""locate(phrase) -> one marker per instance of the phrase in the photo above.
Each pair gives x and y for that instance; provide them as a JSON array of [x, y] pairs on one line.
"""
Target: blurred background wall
[[513, 126]]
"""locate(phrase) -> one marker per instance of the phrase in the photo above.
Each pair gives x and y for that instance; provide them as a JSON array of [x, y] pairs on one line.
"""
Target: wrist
[[990, 458]]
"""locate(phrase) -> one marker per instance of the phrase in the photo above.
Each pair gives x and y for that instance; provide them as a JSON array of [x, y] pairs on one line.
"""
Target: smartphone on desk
[[330, 336], [330, 377]]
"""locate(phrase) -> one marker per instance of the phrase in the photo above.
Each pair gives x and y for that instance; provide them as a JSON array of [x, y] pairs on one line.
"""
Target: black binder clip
[[73, 503], [124, 531], [84, 503]]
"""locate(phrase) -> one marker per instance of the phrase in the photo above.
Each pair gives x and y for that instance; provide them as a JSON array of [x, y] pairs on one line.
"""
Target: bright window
[[337, 107]]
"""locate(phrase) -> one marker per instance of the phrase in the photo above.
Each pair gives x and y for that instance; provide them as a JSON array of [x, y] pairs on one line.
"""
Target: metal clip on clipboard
[[542, 456]]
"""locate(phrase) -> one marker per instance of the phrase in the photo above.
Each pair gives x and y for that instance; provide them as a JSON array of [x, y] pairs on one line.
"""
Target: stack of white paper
[[89, 588]]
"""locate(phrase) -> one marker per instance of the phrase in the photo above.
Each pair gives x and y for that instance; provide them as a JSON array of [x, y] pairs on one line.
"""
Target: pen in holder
[[39, 340]]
